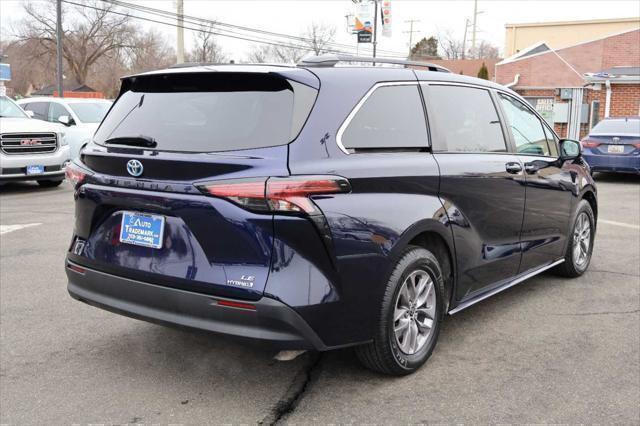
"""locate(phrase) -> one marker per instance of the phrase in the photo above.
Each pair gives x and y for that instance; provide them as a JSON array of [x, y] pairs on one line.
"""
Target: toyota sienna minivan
[[323, 205]]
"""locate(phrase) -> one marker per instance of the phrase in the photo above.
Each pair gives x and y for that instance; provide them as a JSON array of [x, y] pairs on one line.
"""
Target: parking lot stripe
[[625, 225], [5, 229]]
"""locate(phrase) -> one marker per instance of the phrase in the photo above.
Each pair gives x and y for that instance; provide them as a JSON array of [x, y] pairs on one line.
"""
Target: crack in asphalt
[[582, 314], [614, 272], [295, 393]]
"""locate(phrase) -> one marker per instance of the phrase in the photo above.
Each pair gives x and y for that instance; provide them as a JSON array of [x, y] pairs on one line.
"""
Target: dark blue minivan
[[323, 205]]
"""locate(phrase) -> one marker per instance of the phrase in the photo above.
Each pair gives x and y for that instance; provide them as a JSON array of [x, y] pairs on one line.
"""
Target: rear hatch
[[143, 207]]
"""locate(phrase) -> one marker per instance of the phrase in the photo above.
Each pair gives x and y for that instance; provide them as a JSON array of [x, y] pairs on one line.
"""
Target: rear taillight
[[75, 174], [588, 143], [637, 145], [290, 194]]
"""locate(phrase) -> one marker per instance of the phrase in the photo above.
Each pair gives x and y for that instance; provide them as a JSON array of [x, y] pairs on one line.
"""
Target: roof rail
[[193, 64], [330, 60]]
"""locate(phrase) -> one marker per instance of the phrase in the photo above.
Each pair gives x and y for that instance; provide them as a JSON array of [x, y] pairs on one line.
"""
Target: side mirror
[[29, 113], [570, 149], [66, 120]]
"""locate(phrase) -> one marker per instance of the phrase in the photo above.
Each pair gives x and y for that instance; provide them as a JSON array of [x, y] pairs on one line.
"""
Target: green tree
[[484, 72], [425, 47]]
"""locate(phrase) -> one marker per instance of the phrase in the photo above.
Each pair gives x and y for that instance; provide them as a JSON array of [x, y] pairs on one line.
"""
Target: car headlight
[[62, 139]]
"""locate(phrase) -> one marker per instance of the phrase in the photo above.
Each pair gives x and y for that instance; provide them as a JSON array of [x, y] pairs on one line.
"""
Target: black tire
[[383, 354], [569, 268], [49, 183]]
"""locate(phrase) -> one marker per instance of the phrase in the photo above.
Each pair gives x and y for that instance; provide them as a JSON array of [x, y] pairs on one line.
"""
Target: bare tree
[[451, 47], [288, 54], [206, 47], [90, 33], [317, 39], [320, 36], [260, 54], [151, 52], [32, 68], [485, 50]]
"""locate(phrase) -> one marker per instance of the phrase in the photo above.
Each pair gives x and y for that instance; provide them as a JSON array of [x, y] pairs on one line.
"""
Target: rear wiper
[[144, 141]]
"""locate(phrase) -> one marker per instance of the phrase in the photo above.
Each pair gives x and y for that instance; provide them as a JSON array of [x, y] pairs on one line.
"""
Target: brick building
[[576, 86]]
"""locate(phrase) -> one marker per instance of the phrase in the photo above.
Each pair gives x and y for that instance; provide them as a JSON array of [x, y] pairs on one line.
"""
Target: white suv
[[30, 149], [80, 116]]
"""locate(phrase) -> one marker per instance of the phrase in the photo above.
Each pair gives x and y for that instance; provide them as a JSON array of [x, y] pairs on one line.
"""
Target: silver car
[[81, 117], [30, 149]]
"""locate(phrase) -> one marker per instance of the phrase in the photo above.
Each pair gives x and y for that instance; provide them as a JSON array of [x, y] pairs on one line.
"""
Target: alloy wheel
[[581, 240], [415, 312]]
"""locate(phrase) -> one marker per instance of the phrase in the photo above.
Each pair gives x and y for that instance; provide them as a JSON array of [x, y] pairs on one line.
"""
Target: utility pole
[[180, 32], [59, 69], [411, 31], [464, 40], [475, 24], [375, 30]]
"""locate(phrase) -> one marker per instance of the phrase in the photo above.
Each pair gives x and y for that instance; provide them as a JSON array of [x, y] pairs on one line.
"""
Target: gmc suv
[[320, 206], [30, 149]]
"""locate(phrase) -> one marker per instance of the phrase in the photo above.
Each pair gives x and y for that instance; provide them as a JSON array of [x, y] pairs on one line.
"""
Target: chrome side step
[[465, 304]]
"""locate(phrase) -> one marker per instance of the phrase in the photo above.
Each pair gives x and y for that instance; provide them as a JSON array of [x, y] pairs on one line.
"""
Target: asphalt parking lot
[[547, 351]]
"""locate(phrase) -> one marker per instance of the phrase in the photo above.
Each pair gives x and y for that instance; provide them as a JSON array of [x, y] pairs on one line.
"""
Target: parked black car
[[322, 206]]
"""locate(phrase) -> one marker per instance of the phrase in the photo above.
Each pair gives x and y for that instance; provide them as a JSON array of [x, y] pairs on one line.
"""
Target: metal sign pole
[[59, 47], [375, 29]]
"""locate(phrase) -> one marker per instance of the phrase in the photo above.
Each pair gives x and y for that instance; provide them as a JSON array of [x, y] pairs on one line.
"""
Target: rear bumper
[[613, 163], [272, 322]]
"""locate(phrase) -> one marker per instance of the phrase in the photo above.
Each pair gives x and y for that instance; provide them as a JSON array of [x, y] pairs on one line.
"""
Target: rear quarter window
[[209, 112], [392, 117], [466, 120]]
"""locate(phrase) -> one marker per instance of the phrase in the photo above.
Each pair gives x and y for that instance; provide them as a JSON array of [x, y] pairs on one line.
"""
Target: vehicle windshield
[[10, 109], [90, 112], [209, 113], [617, 127]]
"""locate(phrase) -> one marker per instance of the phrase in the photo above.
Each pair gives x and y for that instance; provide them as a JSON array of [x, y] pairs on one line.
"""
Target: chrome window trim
[[354, 111]]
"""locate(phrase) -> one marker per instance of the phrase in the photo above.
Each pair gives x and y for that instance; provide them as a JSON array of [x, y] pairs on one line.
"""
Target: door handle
[[531, 168], [513, 168]]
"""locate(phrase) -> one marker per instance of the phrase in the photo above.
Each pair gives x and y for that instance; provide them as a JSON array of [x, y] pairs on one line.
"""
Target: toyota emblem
[[135, 168]]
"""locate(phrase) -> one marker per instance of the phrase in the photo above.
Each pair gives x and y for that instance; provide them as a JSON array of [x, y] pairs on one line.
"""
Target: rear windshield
[[207, 112], [617, 128]]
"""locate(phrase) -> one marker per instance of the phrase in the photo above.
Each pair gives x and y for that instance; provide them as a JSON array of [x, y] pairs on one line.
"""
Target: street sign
[[364, 36], [5, 72], [363, 21]]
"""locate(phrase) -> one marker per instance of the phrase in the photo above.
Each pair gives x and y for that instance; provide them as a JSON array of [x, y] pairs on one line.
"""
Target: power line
[[172, 15], [300, 47], [198, 20]]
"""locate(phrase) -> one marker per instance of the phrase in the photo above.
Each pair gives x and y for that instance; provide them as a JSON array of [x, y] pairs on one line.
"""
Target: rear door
[[166, 140], [481, 185], [549, 185]]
